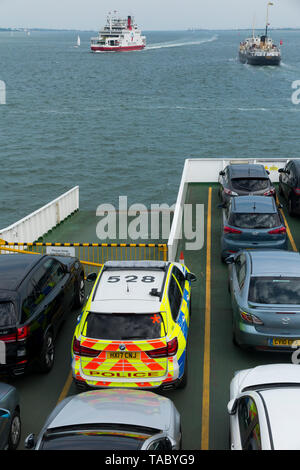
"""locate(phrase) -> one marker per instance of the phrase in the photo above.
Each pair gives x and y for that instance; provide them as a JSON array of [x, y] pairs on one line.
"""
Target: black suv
[[36, 294], [243, 179], [289, 185]]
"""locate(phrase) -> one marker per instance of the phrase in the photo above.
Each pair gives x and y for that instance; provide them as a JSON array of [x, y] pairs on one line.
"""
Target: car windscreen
[[91, 441], [275, 290], [250, 184], [124, 326], [7, 314], [254, 221]]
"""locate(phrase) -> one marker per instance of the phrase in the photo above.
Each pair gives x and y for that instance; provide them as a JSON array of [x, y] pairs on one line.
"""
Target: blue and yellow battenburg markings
[[104, 370]]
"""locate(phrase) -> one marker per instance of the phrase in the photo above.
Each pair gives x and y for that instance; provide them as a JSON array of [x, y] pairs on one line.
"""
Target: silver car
[[265, 296], [264, 408], [115, 419], [10, 421]]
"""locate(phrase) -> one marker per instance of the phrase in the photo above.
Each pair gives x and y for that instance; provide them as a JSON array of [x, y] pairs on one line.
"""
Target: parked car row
[[131, 334], [264, 284], [37, 293]]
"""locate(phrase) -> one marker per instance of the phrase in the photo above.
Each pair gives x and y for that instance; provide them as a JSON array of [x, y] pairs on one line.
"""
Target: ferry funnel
[[129, 23]]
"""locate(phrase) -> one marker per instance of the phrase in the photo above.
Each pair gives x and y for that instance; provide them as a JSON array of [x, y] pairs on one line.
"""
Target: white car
[[264, 408], [112, 419]]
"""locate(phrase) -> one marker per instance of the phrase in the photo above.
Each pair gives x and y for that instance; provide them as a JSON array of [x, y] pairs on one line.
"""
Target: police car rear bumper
[[140, 380]]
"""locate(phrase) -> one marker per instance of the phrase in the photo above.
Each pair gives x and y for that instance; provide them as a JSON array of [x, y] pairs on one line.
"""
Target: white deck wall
[[37, 224]]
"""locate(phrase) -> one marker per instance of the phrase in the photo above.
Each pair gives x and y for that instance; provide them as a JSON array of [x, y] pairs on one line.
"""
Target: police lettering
[[128, 375]]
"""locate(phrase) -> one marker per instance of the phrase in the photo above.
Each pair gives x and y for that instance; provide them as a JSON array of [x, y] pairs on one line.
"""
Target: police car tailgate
[[130, 356], [127, 360]]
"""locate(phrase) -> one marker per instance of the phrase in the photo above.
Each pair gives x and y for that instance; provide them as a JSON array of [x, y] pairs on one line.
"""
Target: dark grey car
[[241, 179], [252, 222], [289, 186], [10, 421]]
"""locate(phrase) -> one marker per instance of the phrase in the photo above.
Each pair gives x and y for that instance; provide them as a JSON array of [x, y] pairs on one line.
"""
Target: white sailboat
[[78, 41]]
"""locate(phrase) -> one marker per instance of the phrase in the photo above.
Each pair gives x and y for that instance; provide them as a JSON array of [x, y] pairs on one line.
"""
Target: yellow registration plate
[[124, 355], [282, 342]]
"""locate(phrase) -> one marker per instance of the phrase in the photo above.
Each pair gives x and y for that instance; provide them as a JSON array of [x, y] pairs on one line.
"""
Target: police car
[[133, 330]]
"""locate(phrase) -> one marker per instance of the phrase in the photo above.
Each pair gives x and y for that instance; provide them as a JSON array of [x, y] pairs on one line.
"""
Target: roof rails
[[143, 265]]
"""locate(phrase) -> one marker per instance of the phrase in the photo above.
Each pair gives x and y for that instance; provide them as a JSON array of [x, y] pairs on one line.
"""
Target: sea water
[[122, 124]]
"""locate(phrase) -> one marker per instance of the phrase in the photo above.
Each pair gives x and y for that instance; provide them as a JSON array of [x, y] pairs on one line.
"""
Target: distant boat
[[260, 50], [118, 35], [78, 41]]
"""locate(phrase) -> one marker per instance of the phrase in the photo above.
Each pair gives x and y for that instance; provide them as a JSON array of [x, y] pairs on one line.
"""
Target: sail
[[78, 41]]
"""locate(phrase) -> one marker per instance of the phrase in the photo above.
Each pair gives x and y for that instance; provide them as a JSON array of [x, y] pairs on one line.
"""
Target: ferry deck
[[212, 356]]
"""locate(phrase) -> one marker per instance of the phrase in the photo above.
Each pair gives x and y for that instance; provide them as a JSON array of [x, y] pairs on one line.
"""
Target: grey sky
[[150, 15]]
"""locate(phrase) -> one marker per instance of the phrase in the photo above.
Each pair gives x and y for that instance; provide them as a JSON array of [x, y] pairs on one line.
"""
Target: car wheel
[[79, 293], [80, 386], [234, 340], [47, 356], [180, 442], [184, 379], [15, 431], [229, 440]]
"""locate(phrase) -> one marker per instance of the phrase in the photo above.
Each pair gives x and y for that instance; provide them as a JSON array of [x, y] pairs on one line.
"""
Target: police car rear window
[[124, 326]]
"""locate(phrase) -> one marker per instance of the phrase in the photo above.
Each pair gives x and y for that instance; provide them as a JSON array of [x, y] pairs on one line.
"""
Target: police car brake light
[[172, 346], [169, 350], [80, 350]]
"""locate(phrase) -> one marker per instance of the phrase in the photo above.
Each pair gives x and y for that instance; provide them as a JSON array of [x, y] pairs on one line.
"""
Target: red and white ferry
[[118, 35]]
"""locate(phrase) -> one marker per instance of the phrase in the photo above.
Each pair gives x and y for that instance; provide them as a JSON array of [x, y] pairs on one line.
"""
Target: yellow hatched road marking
[[206, 359]]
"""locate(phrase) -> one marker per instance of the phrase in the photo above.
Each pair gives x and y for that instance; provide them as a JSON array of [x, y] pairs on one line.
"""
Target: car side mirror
[[230, 259], [281, 170], [222, 173], [64, 269], [30, 441], [190, 277], [91, 277], [4, 413], [232, 406]]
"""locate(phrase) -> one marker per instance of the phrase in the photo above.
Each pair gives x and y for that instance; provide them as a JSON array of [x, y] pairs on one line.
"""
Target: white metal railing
[[37, 224], [206, 170]]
